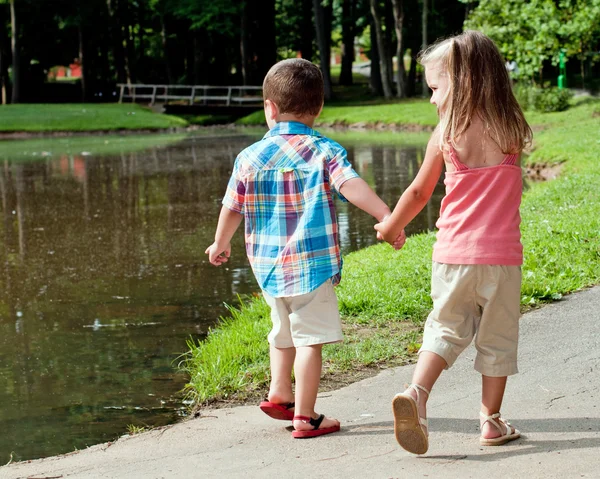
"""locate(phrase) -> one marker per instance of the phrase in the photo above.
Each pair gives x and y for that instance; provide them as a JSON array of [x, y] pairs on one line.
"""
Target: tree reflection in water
[[103, 279]]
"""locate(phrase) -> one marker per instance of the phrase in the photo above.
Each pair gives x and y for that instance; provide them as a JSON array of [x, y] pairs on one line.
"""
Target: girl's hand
[[399, 241], [384, 233]]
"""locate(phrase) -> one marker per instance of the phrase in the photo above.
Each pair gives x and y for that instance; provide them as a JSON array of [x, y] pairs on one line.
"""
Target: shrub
[[542, 99]]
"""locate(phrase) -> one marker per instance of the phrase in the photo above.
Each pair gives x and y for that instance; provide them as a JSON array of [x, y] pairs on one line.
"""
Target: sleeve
[[340, 171], [236, 189]]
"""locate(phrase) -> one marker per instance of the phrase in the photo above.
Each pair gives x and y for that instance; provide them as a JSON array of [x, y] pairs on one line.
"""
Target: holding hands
[[385, 232]]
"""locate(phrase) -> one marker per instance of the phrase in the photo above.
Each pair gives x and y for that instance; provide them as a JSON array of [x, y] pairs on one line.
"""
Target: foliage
[[524, 31], [543, 100], [579, 27], [534, 31]]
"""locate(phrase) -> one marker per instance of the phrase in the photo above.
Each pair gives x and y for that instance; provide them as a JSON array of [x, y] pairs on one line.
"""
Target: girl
[[476, 277]]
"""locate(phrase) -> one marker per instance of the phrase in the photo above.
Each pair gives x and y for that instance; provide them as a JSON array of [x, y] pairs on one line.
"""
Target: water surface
[[103, 279]]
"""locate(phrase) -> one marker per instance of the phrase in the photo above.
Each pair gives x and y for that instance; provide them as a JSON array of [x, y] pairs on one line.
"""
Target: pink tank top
[[479, 217]]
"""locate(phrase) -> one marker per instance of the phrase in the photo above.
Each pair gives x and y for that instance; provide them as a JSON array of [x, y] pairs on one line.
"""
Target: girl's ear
[[271, 110]]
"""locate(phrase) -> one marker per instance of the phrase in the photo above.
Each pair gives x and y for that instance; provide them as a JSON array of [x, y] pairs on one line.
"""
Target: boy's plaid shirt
[[283, 186]]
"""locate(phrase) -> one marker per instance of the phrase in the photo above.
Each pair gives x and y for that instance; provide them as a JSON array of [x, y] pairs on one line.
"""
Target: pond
[[103, 278]]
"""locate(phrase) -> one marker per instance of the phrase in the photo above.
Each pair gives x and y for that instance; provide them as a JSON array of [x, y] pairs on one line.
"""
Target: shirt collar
[[291, 128]]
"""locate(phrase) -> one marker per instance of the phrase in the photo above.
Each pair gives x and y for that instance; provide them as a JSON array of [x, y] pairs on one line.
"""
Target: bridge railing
[[192, 94]]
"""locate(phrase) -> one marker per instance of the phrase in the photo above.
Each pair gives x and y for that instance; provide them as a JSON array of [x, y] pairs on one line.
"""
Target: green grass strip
[[384, 295], [83, 117]]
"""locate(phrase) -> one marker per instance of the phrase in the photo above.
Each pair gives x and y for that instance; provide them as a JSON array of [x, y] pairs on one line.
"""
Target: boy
[[282, 186]]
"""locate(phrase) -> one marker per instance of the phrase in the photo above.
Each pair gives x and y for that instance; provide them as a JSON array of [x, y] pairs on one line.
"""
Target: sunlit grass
[[384, 294], [83, 117]]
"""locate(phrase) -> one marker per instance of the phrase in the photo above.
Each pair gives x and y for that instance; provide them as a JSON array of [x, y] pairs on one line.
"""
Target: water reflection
[[103, 278]]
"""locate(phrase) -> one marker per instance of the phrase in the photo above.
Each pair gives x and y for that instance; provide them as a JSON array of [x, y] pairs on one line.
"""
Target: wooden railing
[[193, 94]]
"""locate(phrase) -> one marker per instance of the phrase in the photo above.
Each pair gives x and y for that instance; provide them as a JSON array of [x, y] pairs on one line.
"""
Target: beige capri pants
[[475, 301]]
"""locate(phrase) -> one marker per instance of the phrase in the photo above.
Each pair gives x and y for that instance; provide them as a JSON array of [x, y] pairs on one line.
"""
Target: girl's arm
[[417, 194]]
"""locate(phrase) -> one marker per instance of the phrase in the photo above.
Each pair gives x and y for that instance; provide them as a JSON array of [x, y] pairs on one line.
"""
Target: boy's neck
[[308, 120]]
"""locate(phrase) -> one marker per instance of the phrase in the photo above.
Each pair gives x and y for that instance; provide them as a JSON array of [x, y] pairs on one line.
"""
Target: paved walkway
[[554, 401]]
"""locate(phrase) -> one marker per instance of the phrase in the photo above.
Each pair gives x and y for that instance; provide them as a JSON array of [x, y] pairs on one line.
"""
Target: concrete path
[[554, 401]]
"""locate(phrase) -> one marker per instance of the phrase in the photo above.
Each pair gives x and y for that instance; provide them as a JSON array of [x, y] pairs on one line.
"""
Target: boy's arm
[[417, 194], [219, 251], [359, 193]]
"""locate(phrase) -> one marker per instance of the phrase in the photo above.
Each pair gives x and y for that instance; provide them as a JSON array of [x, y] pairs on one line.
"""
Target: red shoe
[[316, 431], [278, 411]]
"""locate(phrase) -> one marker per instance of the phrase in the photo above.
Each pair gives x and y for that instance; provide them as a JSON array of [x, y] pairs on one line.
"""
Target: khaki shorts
[[481, 301], [305, 320]]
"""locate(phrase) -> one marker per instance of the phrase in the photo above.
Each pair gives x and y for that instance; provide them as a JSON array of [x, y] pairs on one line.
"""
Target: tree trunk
[[266, 43], [116, 34], [16, 57], [82, 63], [425, 88], [306, 31], [4, 60], [411, 84], [375, 76], [324, 44], [166, 55], [383, 56], [348, 25], [245, 44], [129, 43], [398, 6]]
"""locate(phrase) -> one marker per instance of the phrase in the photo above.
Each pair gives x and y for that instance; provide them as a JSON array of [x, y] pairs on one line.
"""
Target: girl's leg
[[492, 393], [307, 369], [429, 367], [282, 362]]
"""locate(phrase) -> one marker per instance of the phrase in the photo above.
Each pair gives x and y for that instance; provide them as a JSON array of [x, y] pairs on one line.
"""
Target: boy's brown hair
[[295, 86]]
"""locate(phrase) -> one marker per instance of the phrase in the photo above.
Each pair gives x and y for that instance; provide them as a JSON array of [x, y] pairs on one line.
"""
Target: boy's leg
[[307, 369], [282, 362]]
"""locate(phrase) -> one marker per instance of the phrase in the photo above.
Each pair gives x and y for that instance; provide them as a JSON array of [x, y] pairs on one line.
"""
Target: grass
[[83, 117], [23, 150], [407, 112], [384, 296]]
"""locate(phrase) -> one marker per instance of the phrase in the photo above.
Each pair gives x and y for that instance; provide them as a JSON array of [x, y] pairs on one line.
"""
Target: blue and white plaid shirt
[[283, 186]]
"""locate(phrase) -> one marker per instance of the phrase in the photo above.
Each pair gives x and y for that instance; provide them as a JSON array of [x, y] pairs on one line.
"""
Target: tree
[[524, 32], [323, 28], [381, 48], [579, 29], [398, 6], [424, 42], [16, 54], [348, 28]]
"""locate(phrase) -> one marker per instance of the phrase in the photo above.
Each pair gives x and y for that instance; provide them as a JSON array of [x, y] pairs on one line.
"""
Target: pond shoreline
[[27, 135]]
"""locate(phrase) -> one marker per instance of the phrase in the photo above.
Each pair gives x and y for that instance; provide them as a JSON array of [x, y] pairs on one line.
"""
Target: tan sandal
[[504, 436], [408, 425]]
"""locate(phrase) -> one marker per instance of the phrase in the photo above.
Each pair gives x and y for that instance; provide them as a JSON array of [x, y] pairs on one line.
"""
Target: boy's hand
[[383, 233], [218, 254]]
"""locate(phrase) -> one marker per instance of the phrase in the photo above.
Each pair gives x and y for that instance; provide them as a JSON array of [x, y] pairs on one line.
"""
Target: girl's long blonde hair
[[479, 85]]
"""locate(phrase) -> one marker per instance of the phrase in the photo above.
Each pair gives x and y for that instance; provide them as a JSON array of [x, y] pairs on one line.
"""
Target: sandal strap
[[315, 423], [417, 388], [492, 420]]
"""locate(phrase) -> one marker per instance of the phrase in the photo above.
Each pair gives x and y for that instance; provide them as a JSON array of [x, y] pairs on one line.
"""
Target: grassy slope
[[82, 117], [384, 296], [408, 112]]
